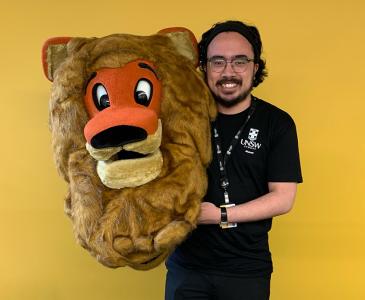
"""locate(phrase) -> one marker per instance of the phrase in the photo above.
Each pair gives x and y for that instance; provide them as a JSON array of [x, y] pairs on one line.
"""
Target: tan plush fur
[[137, 226]]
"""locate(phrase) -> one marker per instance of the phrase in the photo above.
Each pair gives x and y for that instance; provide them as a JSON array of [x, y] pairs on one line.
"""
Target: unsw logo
[[251, 143]]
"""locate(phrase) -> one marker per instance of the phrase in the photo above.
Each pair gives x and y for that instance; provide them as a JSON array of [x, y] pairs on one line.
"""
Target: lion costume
[[129, 117]]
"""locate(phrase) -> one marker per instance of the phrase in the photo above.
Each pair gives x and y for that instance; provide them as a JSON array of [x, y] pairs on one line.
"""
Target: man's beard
[[232, 102]]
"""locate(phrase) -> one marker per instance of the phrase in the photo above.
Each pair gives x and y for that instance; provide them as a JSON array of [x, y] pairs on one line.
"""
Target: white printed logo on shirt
[[252, 135], [251, 145]]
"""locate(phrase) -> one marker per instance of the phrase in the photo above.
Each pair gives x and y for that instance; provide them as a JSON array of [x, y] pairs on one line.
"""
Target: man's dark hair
[[249, 32]]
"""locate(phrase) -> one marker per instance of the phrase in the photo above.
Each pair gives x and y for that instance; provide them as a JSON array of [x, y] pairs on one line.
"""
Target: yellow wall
[[315, 52]]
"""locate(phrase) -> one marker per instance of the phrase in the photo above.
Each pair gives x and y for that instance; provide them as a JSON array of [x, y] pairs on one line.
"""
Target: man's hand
[[209, 214]]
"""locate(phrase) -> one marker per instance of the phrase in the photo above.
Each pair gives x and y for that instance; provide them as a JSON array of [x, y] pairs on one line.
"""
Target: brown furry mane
[[133, 226]]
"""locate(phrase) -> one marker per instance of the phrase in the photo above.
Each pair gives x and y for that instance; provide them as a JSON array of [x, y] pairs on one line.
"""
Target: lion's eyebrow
[[146, 66]]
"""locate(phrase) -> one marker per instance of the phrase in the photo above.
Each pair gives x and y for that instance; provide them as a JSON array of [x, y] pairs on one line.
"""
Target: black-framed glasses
[[219, 63]]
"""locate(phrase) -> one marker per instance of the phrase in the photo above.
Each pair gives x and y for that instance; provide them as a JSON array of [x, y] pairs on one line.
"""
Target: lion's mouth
[[123, 155]]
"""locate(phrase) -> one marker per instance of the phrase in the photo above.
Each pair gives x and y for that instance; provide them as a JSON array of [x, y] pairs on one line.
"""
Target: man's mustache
[[229, 80]]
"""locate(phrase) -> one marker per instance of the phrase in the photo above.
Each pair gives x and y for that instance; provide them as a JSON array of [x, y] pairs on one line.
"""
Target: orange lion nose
[[123, 104], [117, 126]]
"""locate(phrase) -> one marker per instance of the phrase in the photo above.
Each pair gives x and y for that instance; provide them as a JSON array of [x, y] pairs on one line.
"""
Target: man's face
[[228, 86]]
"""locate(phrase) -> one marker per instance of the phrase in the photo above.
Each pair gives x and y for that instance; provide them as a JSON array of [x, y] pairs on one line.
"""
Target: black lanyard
[[222, 160]]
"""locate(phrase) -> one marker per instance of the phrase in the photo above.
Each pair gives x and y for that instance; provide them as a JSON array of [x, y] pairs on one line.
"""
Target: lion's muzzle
[[131, 164]]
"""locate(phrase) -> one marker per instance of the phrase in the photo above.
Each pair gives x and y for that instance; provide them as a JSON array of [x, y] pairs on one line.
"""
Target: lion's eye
[[100, 97], [143, 92]]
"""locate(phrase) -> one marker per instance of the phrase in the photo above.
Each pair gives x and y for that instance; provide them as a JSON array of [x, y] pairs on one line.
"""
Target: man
[[252, 177]]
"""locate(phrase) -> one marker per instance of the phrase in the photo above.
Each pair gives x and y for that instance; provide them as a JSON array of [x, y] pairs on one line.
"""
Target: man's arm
[[279, 200]]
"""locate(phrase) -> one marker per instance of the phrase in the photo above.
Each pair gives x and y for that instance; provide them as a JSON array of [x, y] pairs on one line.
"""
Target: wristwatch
[[224, 217], [224, 224]]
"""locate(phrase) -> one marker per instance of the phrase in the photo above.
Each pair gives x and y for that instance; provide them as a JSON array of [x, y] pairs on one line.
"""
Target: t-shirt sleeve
[[283, 159]]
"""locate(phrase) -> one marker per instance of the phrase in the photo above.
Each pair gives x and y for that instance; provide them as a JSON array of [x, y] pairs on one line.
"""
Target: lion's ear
[[184, 41], [54, 52]]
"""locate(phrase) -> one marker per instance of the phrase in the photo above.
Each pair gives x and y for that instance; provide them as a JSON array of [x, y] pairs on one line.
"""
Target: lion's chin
[[130, 172]]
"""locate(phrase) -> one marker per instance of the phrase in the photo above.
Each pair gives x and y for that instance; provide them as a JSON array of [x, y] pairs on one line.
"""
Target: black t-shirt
[[267, 151]]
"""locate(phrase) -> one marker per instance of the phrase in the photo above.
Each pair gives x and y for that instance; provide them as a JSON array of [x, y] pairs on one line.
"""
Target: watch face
[[224, 218]]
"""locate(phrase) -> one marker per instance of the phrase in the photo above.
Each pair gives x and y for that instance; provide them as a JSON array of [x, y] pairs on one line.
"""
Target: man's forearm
[[278, 201]]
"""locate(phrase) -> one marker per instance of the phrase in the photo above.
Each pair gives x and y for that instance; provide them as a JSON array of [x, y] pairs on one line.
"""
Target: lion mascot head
[[129, 118]]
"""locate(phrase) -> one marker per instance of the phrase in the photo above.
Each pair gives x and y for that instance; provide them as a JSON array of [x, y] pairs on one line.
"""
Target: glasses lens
[[240, 64], [217, 64]]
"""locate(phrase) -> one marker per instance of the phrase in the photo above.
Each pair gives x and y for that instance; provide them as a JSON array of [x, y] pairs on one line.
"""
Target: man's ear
[[54, 52], [256, 67], [184, 41]]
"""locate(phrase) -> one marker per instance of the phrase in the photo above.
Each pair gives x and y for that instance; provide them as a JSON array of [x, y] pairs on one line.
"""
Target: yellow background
[[314, 50]]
